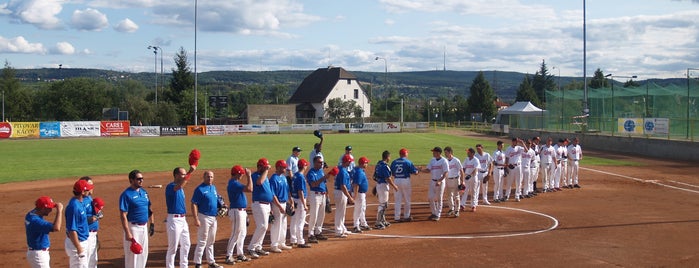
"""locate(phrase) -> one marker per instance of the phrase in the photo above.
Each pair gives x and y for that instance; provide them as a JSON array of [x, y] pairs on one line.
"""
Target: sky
[[646, 38]]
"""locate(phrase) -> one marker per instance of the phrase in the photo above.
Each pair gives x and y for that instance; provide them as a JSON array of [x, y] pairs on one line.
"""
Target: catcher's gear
[[136, 248], [373, 191], [222, 208], [151, 229], [318, 134], [511, 166], [289, 209], [486, 178], [328, 209], [194, 157], [461, 187], [468, 177], [270, 219]]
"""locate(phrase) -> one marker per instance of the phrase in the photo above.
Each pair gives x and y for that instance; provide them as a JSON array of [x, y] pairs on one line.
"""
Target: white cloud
[[40, 13], [89, 20], [126, 26], [63, 48], [20, 45]]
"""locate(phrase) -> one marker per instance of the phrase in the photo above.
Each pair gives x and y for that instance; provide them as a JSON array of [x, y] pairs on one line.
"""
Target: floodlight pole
[[196, 123], [689, 69], [3, 106], [155, 61], [385, 81]]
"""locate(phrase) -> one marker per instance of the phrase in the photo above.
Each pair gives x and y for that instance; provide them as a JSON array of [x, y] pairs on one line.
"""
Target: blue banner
[[50, 129]]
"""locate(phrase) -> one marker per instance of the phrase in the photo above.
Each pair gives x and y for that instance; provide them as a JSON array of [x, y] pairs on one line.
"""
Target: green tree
[[74, 99], [18, 101], [526, 92], [598, 80], [482, 98], [631, 83], [339, 110], [542, 82], [182, 79], [280, 94]]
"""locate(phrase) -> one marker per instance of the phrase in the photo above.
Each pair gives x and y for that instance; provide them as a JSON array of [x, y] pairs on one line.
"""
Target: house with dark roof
[[312, 96]]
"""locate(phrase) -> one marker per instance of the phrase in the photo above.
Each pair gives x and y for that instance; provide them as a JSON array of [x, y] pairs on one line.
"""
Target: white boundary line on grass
[[553, 226], [648, 181]]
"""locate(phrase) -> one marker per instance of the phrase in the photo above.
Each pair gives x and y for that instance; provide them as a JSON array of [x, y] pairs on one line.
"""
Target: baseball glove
[[486, 178], [462, 187], [334, 171], [289, 209], [511, 166], [98, 205], [271, 219], [328, 209], [151, 229], [136, 248], [222, 208], [318, 134]]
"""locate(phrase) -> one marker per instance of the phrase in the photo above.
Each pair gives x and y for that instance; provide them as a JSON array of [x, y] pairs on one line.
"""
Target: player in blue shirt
[[93, 218], [77, 229], [382, 176], [205, 207], [176, 222], [38, 230], [237, 213], [360, 185], [261, 199], [342, 196], [280, 189], [402, 168], [134, 205], [316, 199], [299, 194]]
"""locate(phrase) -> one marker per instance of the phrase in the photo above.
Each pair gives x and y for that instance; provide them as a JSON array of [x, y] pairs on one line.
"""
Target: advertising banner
[[50, 129], [5, 130], [659, 126], [114, 128], [196, 130], [149, 131], [173, 131], [423, 124], [630, 126], [215, 130], [25, 130], [391, 127], [80, 129]]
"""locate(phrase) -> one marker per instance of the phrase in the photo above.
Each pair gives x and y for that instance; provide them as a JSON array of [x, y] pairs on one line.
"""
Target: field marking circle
[[553, 226]]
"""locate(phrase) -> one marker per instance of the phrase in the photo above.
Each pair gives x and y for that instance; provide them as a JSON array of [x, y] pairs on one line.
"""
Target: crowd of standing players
[[294, 194]]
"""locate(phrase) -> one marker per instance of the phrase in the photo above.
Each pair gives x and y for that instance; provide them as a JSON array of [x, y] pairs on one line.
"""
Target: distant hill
[[422, 84]]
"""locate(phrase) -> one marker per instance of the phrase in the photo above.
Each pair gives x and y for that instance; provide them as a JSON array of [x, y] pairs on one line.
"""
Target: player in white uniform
[[564, 165], [575, 155], [536, 162], [471, 166], [514, 162], [486, 168], [527, 156], [348, 151], [454, 179], [498, 172], [439, 169], [548, 164], [560, 154]]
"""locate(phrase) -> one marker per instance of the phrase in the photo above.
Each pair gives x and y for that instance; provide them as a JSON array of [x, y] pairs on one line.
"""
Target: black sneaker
[[230, 260], [242, 258], [303, 246], [357, 230], [576, 186], [379, 227], [261, 252], [408, 219], [312, 239], [215, 265], [321, 237], [197, 265]]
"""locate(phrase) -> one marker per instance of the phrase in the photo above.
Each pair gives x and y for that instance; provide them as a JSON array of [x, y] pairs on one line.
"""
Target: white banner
[[423, 124], [409, 125], [660, 126], [215, 130], [390, 127], [147, 131], [80, 129]]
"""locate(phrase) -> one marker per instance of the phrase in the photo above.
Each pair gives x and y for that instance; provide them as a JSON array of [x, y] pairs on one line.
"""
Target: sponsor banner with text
[[114, 128], [25, 130], [173, 131], [656, 126], [196, 130], [630, 125], [147, 131], [80, 128], [5, 130], [50, 129], [215, 130], [391, 127]]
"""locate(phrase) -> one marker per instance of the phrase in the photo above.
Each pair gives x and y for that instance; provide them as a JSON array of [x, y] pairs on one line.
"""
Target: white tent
[[522, 114]]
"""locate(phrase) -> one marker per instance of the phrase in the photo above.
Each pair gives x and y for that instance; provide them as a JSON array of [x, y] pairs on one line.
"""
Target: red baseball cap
[[82, 185], [98, 204], [347, 158], [363, 160], [45, 202], [262, 162], [303, 163], [280, 164], [403, 151], [237, 170]]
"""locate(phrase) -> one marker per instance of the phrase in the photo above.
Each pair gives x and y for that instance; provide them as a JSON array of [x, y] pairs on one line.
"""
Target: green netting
[[678, 103]]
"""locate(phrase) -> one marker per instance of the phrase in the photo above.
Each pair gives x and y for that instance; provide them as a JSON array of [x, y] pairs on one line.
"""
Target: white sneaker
[[275, 250], [284, 247], [485, 202]]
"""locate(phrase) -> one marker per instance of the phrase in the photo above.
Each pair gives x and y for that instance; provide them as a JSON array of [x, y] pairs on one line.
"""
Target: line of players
[[521, 164]]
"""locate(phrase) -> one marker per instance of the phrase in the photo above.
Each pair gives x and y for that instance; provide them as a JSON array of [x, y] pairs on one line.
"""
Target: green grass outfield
[[38, 159]]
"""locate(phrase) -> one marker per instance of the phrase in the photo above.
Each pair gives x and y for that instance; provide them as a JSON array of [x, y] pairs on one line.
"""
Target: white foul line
[[553, 226], [647, 181]]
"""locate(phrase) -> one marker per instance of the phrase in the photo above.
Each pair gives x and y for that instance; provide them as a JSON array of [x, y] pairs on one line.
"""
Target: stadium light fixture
[[155, 61]]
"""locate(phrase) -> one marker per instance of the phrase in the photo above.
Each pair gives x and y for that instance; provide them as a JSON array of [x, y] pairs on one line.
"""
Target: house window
[[344, 97], [349, 81], [356, 94]]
